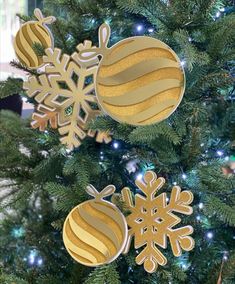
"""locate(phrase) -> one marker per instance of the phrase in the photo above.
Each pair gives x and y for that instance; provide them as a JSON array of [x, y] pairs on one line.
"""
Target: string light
[[150, 30], [210, 235], [218, 14], [32, 256], [182, 62], [139, 28], [39, 262], [184, 176], [219, 153], [115, 145], [139, 176], [200, 205], [222, 9], [174, 183], [18, 232], [225, 255], [198, 218]]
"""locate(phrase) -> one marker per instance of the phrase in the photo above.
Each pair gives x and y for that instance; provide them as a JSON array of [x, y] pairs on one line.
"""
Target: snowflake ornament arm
[[152, 220], [43, 116]]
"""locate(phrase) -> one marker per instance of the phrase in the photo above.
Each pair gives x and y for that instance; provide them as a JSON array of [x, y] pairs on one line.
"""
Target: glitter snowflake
[[66, 96], [152, 220]]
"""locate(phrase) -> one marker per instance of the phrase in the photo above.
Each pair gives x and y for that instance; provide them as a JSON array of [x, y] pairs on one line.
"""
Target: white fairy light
[[184, 176], [139, 176], [139, 28], [182, 62], [39, 262], [115, 145], [219, 153], [210, 235], [150, 30], [200, 205], [24, 99]]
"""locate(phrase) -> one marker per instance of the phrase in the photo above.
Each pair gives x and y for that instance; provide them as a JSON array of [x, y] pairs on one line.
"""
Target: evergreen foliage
[[46, 181]]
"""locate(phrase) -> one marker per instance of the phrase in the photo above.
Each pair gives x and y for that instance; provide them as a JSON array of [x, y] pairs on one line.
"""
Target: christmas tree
[[193, 148]]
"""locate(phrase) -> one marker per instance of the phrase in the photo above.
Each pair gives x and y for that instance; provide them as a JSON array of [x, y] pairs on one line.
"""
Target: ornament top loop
[[108, 190], [48, 20], [104, 35]]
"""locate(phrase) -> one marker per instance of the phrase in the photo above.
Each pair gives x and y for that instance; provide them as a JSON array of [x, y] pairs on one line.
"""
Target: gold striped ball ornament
[[33, 32], [95, 232], [140, 80]]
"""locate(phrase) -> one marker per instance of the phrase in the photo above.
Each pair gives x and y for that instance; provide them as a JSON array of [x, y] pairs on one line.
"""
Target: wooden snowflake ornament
[[152, 221], [66, 96]]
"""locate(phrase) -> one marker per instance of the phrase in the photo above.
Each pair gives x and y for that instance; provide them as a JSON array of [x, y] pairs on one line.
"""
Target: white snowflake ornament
[[152, 220]]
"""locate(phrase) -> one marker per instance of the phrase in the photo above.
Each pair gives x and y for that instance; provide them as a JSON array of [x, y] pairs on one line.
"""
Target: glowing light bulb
[[219, 153], [24, 99], [184, 176], [115, 145], [139, 176], [39, 262], [139, 28], [200, 205], [150, 30], [210, 235]]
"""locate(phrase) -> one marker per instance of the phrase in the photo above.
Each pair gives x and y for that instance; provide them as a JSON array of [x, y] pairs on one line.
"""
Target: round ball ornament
[[33, 32], [95, 232], [140, 80]]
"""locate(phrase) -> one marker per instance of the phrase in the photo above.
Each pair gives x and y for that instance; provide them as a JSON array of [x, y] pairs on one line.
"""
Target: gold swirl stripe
[[92, 228], [78, 250], [78, 243], [136, 71], [88, 238], [99, 225], [30, 34], [130, 60], [142, 116], [42, 35], [134, 46], [112, 217], [142, 94], [21, 50], [28, 45], [19, 53], [155, 100], [113, 91]]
